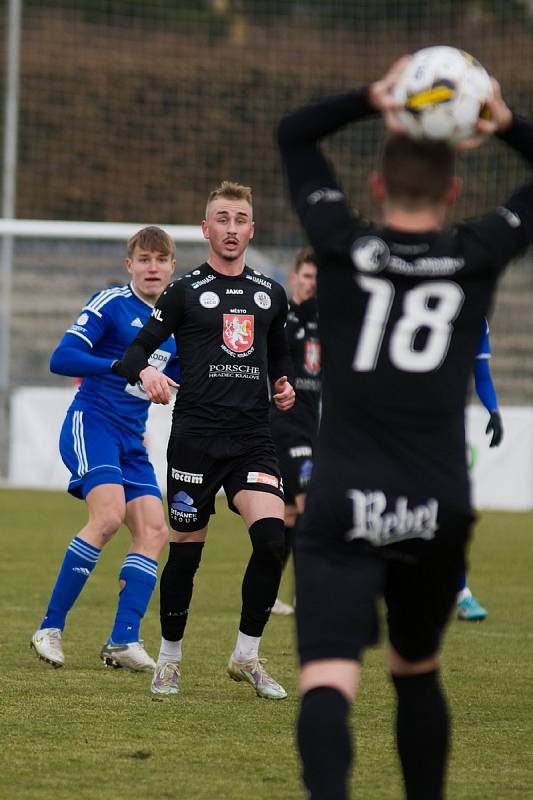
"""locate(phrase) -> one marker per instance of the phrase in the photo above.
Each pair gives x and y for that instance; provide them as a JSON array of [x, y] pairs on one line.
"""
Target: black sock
[[263, 574], [422, 734], [325, 744], [175, 590]]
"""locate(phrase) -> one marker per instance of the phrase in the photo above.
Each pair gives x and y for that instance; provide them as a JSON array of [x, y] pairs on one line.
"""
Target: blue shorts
[[96, 452]]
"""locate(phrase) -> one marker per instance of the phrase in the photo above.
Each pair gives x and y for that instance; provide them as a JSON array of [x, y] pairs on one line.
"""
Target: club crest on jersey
[[370, 254], [238, 332], [312, 357]]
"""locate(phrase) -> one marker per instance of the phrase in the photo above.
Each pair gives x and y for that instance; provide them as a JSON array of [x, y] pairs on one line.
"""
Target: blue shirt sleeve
[[173, 369], [73, 355], [482, 376]]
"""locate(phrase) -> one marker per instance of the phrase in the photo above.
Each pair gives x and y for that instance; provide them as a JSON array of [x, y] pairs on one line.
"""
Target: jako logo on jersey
[[209, 299], [234, 291], [312, 357], [370, 254], [156, 314], [238, 332], [262, 477], [187, 477], [372, 522], [262, 300]]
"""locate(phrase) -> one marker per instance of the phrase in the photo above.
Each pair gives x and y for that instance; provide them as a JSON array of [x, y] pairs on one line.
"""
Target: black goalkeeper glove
[[495, 427]]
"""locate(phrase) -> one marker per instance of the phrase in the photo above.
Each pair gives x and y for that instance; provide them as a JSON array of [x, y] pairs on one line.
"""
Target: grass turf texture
[[86, 732]]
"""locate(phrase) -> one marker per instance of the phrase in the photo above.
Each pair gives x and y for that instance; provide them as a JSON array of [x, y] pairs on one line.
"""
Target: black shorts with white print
[[198, 466]]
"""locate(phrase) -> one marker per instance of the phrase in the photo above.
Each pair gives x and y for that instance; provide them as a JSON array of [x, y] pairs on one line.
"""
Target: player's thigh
[[421, 589], [338, 585], [145, 519], [193, 479], [106, 505], [90, 449], [253, 505]]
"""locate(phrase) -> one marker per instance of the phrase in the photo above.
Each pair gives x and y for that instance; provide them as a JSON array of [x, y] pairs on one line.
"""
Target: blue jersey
[[104, 329]]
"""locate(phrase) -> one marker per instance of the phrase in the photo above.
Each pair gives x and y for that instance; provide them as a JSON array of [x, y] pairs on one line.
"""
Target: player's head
[[416, 175], [150, 261], [228, 225], [303, 277]]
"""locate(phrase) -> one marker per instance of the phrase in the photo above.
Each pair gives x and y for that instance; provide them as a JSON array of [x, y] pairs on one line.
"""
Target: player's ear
[[376, 185], [252, 230], [128, 263], [453, 191], [205, 229]]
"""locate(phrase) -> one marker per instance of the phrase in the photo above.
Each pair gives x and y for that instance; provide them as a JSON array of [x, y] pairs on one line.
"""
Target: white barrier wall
[[502, 477]]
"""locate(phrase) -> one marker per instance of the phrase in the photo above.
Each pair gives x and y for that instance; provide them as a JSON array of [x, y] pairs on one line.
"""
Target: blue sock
[[140, 576], [80, 560]]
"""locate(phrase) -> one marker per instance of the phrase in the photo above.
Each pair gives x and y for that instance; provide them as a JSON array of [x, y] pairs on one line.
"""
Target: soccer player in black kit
[[229, 325], [295, 431], [388, 511]]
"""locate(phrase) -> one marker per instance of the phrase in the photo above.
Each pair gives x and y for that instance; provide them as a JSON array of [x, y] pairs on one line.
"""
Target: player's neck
[[429, 219], [225, 266]]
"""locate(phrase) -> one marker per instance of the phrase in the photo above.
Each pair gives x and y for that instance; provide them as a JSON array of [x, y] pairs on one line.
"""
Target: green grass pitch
[[86, 732]]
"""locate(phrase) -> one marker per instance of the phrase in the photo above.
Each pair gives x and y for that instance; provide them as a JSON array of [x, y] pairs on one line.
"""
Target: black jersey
[[400, 315], [304, 348], [230, 335]]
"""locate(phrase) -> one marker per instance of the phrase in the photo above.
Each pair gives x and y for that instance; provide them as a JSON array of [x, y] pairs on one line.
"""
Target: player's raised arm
[[507, 231]]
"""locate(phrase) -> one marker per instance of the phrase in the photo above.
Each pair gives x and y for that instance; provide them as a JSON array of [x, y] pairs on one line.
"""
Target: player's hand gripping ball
[[442, 91]]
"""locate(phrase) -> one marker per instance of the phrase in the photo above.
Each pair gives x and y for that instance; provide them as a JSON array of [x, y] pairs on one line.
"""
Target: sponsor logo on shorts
[[182, 508], [187, 477], [238, 332], [372, 521], [305, 472], [209, 299], [262, 299], [262, 477], [301, 451], [83, 319], [234, 371]]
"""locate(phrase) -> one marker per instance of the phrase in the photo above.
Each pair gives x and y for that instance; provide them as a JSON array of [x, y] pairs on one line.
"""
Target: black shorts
[[339, 584], [295, 455], [197, 467]]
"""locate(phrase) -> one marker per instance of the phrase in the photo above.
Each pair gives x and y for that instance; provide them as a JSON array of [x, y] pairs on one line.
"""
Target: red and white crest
[[312, 357], [238, 332]]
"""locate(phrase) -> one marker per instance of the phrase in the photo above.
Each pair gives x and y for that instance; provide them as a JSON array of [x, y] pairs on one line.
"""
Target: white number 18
[[417, 314]]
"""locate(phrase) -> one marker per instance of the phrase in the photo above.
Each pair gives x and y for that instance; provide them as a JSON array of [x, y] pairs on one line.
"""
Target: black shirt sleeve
[[508, 230], [166, 318], [279, 360], [314, 190]]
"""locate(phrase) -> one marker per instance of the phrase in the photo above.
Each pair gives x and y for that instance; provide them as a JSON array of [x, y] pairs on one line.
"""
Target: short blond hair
[[230, 190], [152, 239]]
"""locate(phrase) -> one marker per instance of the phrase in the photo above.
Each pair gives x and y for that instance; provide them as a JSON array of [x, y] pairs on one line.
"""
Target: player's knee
[[108, 523], [268, 539]]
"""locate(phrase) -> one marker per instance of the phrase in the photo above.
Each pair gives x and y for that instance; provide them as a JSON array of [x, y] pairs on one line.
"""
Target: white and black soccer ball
[[443, 91]]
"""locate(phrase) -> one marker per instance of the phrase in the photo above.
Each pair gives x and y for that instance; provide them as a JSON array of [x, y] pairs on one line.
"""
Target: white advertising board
[[502, 477]]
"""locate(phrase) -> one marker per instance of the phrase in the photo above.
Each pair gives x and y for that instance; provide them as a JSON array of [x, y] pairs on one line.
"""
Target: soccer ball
[[443, 91]]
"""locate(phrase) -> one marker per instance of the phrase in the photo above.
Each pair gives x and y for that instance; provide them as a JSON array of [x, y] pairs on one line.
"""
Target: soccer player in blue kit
[[468, 608], [101, 444]]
